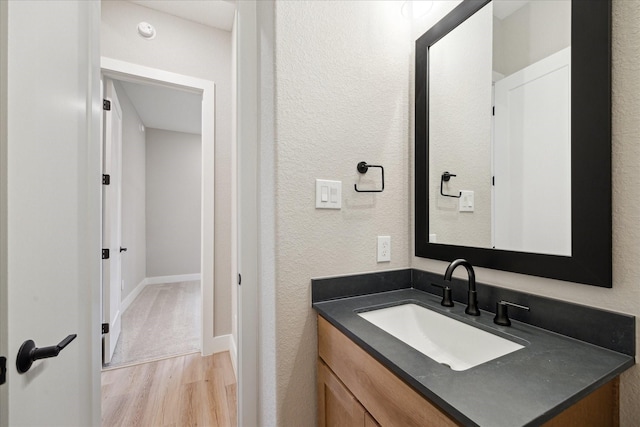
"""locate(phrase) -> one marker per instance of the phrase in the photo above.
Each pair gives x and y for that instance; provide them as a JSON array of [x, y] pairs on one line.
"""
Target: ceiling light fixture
[[146, 30], [415, 9]]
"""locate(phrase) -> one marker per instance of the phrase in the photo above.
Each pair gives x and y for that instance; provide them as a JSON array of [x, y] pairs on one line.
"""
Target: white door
[[111, 220], [52, 200], [532, 158]]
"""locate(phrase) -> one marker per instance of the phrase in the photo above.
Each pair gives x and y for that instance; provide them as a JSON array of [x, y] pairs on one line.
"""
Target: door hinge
[[106, 105], [105, 254], [3, 370], [106, 179], [105, 328]]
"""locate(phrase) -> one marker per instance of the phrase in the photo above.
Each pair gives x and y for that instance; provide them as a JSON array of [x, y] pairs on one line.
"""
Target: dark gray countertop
[[523, 388]]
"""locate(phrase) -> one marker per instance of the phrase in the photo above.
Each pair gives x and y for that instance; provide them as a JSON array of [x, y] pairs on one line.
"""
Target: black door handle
[[29, 353], [123, 249], [3, 370]]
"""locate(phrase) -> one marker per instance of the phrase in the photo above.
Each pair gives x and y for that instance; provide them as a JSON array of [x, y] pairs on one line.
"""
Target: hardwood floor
[[186, 390]]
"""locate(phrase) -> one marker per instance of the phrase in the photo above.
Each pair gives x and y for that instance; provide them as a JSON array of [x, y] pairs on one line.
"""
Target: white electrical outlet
[[384, 248]]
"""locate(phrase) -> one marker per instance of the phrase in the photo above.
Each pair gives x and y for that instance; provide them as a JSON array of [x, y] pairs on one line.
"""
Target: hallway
[[163, 321]]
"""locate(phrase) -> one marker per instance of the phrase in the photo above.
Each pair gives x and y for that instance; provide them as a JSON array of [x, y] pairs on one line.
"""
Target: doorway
[[159, 278], [153, 306], [62, 203]]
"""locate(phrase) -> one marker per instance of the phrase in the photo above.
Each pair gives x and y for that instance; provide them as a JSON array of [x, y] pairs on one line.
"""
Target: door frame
[[111, 215], [126, 71], [256, 187], [4, 397]]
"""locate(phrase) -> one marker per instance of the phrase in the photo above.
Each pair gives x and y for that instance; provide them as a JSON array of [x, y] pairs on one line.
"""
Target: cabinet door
[[336, 405], [389, 399]]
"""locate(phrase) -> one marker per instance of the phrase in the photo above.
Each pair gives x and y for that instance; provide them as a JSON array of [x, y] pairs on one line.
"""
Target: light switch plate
[[328, 194], [466, 201]]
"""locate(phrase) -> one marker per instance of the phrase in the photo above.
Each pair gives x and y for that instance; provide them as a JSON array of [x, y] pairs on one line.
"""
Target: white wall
[[460, 131], [195, 50], [530, 34], [625, 295], [173, 202], [341, 97], [134, 260]]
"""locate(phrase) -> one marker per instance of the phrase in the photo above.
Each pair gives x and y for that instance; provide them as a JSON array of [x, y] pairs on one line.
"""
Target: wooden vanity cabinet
[[354, 389], [369, 384], [336, 405]]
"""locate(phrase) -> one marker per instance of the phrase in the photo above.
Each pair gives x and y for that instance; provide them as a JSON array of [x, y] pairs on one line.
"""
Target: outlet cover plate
[[466, 201], [384, 248]]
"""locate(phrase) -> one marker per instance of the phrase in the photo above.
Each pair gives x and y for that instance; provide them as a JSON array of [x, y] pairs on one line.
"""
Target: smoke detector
[[146, 30]]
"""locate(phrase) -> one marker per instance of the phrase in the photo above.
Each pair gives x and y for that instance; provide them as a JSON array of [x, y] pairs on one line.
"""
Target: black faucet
[[472, 303]]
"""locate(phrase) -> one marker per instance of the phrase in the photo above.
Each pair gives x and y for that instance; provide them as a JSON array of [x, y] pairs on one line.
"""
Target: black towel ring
[[363, 167], [445, 177]]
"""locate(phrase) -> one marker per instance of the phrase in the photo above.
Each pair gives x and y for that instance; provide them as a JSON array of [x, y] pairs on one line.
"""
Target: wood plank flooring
[[188, 390]]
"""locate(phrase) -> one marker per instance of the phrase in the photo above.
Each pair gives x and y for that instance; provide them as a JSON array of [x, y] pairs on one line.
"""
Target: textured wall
[[460, 131], [342, 81], [134, 261], [195, 50], [625, 295], [173, 199], [530, 34]]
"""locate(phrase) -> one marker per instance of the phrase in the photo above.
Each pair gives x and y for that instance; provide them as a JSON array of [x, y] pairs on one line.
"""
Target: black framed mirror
[[588, 260]]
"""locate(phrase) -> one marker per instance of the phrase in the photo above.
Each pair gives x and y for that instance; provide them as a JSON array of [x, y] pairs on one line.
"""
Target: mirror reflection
[[499, 109]]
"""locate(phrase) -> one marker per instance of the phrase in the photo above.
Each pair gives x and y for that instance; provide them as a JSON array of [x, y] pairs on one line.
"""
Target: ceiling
[[171, 109], [214, 13], [502, 9], [166, 108]]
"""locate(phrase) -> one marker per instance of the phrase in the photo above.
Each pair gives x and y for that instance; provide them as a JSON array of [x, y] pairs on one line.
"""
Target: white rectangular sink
[[443, 339]]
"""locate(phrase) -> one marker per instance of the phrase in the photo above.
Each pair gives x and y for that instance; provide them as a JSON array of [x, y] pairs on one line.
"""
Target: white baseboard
[[216, 344], [173, 279], [132, 295], [219, 344], [234, 356], [155, 281], [210, 345]]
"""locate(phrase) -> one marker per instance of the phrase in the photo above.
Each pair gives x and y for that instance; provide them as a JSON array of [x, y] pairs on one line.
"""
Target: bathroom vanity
[[349, 378], [565, 372], [367, 376]]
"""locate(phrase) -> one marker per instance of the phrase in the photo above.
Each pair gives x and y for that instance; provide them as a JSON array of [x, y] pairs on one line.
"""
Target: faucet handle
[[502, 314], [446, 295]]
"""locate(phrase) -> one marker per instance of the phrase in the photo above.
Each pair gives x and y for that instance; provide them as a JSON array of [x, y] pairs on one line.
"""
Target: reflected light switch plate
[[466, 202]]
